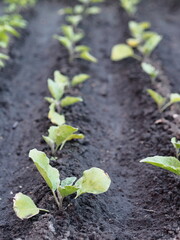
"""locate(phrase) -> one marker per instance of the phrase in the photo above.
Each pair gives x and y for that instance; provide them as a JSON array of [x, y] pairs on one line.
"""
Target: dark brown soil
[[117, 117]]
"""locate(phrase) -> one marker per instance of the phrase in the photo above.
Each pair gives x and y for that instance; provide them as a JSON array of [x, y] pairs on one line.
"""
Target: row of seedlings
[[93, 180], [9, 22], [140, 46]]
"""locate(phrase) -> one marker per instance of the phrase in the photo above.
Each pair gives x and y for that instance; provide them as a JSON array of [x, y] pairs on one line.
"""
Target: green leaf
[[66, 187], [150, 44], [137, 29], [4, 56], [64, 41], [88, 57], [78, 36], [93, 10], [75, 136], [68, 181], [67, 190], [51, 175], [78, 9], [174, 98], [171, 164], [150, 70], [55, 90], [67, 101], [159, 100], [78, 79], [175, 143], [60, 135], [94, 180], [24, 206], [61, 80], [82, 48], [121, 51], [55, 117], [68, 31], [74, 20]]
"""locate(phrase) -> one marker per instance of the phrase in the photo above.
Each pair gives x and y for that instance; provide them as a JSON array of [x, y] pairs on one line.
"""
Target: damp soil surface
[[117, 117]]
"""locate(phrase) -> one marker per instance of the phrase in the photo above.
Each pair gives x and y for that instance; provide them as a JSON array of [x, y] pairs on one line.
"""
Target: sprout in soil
[[169, 163], [142, 41], [130, 6], [94, 181], [164, 102]]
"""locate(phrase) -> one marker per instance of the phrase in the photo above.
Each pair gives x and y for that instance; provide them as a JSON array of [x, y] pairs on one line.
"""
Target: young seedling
[[58, 136], [142, 40], [17, 5], [150, 70], [162, 102], [57, 88], [24, 206], [8, 23], [130, 6], [70, 39], [171, 164], [81, 10], [94, 181]]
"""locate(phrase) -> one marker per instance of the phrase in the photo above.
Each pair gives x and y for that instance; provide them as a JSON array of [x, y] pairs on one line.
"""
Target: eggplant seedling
[[130, 6], [171, 164], [94, 181], [164, 102], [56, 88], [143, 41], [59, 135], [70, 39]]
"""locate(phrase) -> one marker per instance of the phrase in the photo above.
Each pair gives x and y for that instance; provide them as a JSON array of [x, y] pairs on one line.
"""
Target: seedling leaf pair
[[162, 102], [58, 136], [94, 180], [144, 41]]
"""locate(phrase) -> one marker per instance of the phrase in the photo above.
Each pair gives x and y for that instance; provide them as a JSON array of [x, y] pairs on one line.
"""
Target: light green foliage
[[8, 23], [17, 5], [121, 51], [69, 41], [74, 20], [94, 180], [72, 34], [159, 100], [24, 206], [130, 6], [66, 188], [162, 102], [150, 70], [171, 164], [57, 86], [58, 136], [51, 175], [144, 41], [67, 101], [54, 116], [78, 79], [176, 145]]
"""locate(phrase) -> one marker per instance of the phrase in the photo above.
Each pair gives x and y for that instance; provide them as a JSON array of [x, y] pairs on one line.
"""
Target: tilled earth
[[117, 117]]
